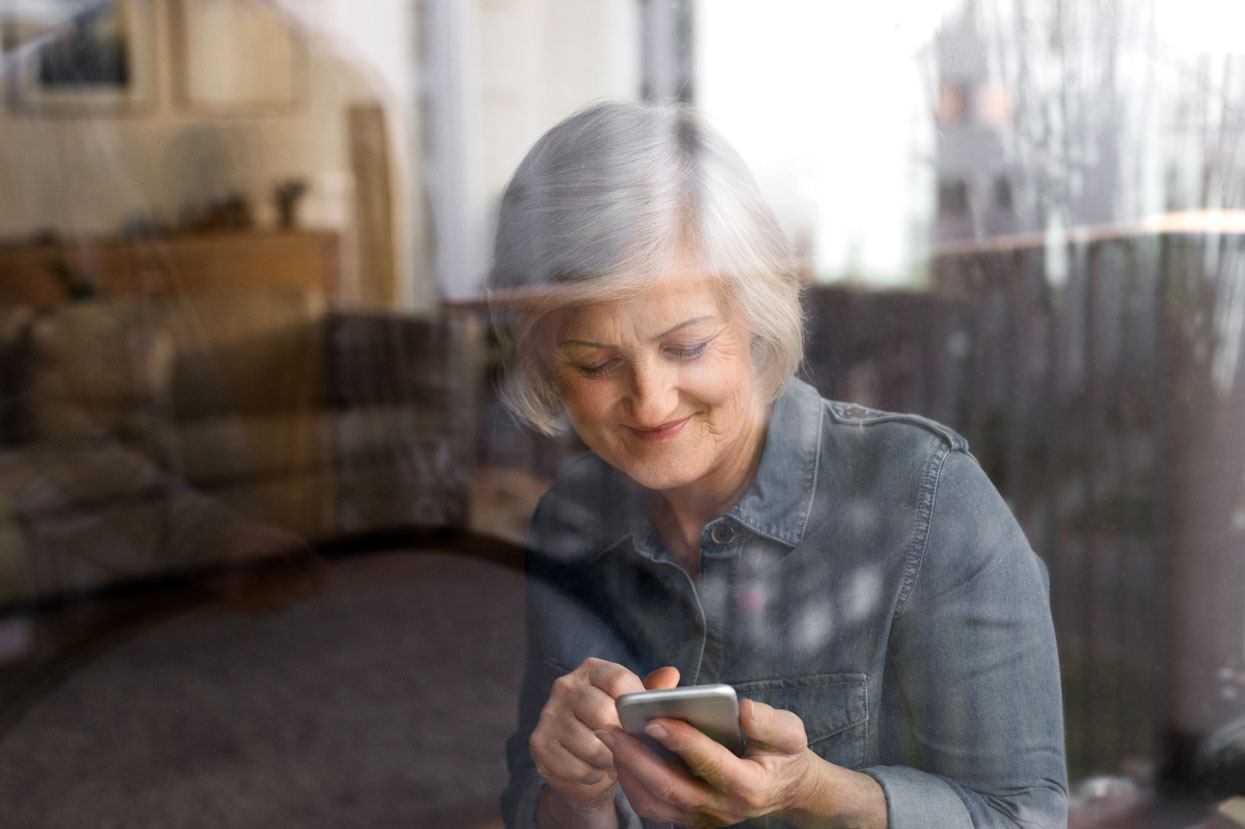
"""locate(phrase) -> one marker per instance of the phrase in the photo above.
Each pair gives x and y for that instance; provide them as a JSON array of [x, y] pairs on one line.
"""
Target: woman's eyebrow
[[666, 333], [683, 324]]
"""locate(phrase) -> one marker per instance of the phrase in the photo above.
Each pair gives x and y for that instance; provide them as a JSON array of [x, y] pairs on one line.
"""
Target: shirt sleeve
[[973, 650], [547, 605], [522, 792]]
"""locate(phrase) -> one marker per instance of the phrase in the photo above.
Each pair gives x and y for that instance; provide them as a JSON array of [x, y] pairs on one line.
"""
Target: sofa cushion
[[300, 504], [228, 449], [14, 578], [49, 478], [388, 496], [93, 547], [95, 368], [15, 321], [245, 351], [369, 433]]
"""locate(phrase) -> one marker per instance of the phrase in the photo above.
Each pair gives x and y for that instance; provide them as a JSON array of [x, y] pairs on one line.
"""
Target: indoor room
[[280, 394]]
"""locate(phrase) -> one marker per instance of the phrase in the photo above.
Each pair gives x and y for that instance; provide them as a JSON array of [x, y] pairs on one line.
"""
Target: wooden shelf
[[170, 265]]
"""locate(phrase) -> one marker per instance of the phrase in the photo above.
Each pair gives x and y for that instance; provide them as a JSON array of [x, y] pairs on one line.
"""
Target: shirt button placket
[[722, 533], [715, 587]]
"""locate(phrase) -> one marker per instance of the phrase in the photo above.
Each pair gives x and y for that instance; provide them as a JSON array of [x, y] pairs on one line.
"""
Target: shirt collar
[[778, 503]]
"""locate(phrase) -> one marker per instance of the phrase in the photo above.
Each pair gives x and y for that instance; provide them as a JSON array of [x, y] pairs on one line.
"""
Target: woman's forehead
[[667, 301]]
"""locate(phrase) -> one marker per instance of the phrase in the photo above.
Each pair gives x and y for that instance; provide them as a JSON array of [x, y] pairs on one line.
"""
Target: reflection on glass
[[242, 324], [1059, 187]]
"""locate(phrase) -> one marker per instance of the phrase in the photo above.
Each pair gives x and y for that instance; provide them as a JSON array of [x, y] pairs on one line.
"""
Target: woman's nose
[[654, 396]]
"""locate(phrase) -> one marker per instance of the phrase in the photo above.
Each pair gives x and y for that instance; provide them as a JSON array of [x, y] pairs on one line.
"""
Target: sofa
[[146, 436]]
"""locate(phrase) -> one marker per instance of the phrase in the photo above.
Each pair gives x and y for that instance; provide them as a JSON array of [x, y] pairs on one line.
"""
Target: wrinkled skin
[[577, 767], [773, 776]]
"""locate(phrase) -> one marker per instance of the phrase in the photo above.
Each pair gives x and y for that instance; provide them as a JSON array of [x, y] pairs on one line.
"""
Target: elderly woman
[[852, 573]]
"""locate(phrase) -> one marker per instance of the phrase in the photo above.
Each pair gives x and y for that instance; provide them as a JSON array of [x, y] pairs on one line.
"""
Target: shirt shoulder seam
[[927, 493], [853, 415], [812, 477]]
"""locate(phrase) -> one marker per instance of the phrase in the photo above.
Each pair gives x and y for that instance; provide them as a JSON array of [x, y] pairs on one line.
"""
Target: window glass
[[1024, 219], [263, 512]]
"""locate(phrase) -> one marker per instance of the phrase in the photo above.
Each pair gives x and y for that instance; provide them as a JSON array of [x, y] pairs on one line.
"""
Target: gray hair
[[614, 196]]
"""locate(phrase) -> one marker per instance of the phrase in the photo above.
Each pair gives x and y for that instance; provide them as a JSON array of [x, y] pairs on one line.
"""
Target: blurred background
[[259, 503]]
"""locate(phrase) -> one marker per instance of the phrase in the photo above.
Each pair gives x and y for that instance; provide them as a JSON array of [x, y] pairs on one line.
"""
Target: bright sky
[[1201, 26], [828, 104]]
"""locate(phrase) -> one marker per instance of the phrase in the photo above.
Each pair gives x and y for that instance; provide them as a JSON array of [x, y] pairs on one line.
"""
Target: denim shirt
[[871, 580]]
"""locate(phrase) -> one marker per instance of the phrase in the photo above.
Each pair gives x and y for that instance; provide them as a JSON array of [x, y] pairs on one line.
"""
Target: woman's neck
[[680, 515]]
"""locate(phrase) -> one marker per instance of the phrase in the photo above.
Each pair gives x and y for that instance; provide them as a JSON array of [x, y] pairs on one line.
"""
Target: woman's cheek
[[587, 399], [717, 379]]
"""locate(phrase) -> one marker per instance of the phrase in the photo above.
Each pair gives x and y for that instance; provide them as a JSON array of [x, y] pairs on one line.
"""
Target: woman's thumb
[[667, 677]]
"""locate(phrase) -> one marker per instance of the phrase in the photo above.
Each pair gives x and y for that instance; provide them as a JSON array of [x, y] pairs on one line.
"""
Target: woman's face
[[661, 385]]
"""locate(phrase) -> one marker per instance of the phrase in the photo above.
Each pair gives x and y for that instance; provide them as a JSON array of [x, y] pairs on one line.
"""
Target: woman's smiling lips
[[663, 432]]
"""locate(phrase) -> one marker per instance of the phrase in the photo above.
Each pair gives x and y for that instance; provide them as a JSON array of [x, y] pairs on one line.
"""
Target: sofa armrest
[[403, 391]]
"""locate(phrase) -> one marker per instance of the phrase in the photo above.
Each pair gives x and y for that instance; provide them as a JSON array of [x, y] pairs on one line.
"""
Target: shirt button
[[722, 533]]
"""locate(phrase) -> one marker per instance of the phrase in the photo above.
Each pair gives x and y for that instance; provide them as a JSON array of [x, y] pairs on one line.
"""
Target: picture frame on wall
[[78, 57], [237, 57]]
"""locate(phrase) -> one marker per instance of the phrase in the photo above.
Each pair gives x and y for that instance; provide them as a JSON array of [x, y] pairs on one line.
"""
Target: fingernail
[[605, 737], [655, 731]]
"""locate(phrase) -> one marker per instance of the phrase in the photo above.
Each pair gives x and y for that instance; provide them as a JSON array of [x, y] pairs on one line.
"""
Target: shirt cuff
[[627, 818], [529, 800], [525, 808], [918, 800]]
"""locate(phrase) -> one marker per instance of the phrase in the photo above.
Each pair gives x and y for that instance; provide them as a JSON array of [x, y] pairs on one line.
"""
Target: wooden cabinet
[[45, 275]]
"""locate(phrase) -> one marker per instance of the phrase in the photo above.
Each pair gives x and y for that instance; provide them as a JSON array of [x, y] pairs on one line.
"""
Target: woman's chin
[[659, 476]]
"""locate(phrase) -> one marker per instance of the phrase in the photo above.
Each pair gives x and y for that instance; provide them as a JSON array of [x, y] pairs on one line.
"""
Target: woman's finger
[[655, 789], [559, 764], [559, 726], [611, 678], [771, 729], [665, 677], [580, 740], [595, 708], [712, 762]]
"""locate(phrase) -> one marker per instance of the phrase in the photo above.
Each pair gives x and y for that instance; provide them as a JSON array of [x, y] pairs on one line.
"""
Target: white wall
[[540, 60], [532, 63], [93, 175], [376, 43]]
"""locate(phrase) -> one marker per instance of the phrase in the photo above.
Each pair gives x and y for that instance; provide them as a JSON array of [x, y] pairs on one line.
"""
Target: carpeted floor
[[381, 699]]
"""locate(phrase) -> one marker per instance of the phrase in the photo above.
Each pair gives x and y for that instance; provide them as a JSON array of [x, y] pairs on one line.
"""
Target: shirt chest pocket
[[833, 707]]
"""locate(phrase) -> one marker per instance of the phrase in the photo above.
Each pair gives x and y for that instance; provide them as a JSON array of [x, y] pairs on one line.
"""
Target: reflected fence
[[1099, 381]]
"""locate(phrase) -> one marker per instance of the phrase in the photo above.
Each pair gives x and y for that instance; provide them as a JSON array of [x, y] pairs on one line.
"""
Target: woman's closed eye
[[687, 353], [599, 369], [677, 352]]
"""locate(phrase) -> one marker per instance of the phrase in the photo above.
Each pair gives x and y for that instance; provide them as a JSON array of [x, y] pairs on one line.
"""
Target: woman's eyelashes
[[600, 369], [688, 352], [680, 353]]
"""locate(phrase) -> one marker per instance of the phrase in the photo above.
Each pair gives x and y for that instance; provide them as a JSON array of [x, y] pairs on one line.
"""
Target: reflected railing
[[1098, 378]]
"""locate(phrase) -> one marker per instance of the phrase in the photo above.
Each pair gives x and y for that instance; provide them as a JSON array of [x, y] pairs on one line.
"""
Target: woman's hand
[[577, 767], [777, 774]]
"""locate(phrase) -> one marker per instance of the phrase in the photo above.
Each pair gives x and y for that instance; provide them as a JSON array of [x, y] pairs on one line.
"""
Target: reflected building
[[1043, 122], [1088, 205]]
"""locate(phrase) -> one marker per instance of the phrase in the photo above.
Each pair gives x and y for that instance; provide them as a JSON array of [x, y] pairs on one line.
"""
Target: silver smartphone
[[713, 709]]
